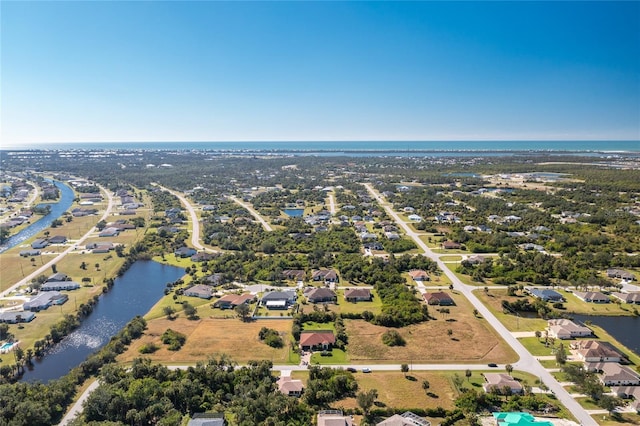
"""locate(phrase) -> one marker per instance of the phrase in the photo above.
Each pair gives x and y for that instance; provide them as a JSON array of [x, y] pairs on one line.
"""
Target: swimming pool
[[5, 347]]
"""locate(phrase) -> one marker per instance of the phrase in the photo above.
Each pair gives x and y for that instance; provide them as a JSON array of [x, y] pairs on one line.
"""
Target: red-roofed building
[[323, 339], [438, 298]]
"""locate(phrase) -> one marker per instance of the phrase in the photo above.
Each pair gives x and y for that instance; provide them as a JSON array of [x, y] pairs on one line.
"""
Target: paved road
[[332, 204], [77, 407], [253, 212], [56, 259], [527, 362], [195, 223]]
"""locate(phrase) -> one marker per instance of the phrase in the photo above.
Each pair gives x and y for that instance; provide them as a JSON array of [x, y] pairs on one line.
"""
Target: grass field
[[493, 300], [536, 346], [625, 419], [451, 258], [337, 356], [578, 306], [429, 341], [212, 336]]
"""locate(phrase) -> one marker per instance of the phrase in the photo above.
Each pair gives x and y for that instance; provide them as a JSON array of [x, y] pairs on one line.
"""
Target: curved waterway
[[132, 294], [66, 200]]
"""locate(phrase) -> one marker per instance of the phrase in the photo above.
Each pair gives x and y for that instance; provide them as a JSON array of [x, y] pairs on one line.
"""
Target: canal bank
[[57, 209], [132, 294]]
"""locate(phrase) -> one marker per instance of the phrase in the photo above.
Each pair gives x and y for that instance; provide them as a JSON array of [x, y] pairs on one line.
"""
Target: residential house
[[230, 301], [326, 275], [215, 279], [58, 276], [203, 256], [109, 232], [627, 392], [415, 218], [476, 259], [59, 285], [633, 297], [333, 418], [15, 317], [566, 329], [515, 418], [596, 351], [619, 273], [498, 382], [320, 295], [294, 274], [317, 340], [199, 290], [392, 236], [438, 298], [592, 296], [40, 243], [419, 275], [451, 245], [57, 239], [544, 294], [29, 253], [357, 294], [290, 387], [184, 252], [43, 300], [278, 299], [614, 374], [373, 246], [207, 419], [405, 419]]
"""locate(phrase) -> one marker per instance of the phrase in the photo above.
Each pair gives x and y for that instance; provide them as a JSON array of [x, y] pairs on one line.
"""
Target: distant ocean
[[363, 147]]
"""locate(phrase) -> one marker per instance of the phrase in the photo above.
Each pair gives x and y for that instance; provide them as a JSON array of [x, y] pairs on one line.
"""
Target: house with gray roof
[[545, 294], [199, 290], [278, 299], [44, 299]]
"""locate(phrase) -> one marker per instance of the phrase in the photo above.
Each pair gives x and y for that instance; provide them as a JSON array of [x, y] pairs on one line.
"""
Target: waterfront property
[[544, 294], [633, 297], [59, 286], [44, 300], [567, 329], [596, 351], [199, 290], [185, 252], [592, 296], [40, 243], [15, 317]]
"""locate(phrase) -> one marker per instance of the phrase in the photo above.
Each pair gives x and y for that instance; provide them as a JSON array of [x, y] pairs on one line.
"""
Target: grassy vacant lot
[[472, 340], [451, 258], [493, 300], [625, 419], [212, 336], [536, 346]]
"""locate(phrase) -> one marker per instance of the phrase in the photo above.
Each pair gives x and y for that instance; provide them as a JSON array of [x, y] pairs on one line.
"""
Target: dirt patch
[[212, 337]]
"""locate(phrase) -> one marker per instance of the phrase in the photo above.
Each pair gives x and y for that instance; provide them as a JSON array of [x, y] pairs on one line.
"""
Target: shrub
[[174, 339], [393, 338], [149, 348]]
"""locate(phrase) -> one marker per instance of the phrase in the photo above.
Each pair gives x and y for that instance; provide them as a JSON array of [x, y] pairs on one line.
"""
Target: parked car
[[492, 364], [366, 370], [351, 370]]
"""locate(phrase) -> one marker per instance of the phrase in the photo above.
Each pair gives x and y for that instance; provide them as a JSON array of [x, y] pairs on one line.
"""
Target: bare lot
[[213, 336]]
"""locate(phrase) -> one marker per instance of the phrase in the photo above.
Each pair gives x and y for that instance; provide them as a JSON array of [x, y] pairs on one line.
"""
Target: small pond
[[294, 212]]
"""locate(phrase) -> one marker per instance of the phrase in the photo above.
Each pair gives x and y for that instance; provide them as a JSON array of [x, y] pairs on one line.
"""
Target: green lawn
[[588, 403], [343, 306], [577, 306], [536, 346], [493, 299], [452, 258], [308, 326], [338, 356]]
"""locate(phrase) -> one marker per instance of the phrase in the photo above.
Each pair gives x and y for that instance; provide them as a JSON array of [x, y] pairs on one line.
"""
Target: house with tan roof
[[497, 382], [419, 275], [320, 295], [405, 419], [451, 245], [592, 296], [633, 297], [357, 295], [326, 275], [333, 418], [567, 329], [294, 274], [230, 301], [614, 374], [590, 351], [290, 387], [317, 340], [438, 298]]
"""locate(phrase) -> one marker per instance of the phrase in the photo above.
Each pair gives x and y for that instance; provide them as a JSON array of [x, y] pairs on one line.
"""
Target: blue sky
[[226, 71]]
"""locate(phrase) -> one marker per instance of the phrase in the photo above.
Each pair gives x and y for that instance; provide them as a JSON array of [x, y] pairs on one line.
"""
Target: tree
[[609, 403], [366, 399], [449, 332], [190, 311], [83, 265], [243, 311], [54, 268], [169, 311], [468, 374], [426, 385], [538, 334], [509, 368], [561, 354], [405, 369]]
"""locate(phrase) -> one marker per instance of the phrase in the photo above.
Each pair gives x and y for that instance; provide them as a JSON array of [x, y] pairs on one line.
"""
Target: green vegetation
[[174, 339]]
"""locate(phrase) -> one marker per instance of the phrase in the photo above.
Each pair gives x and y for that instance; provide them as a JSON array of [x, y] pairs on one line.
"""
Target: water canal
[[65, 202], [132, 294], [625, 330]]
